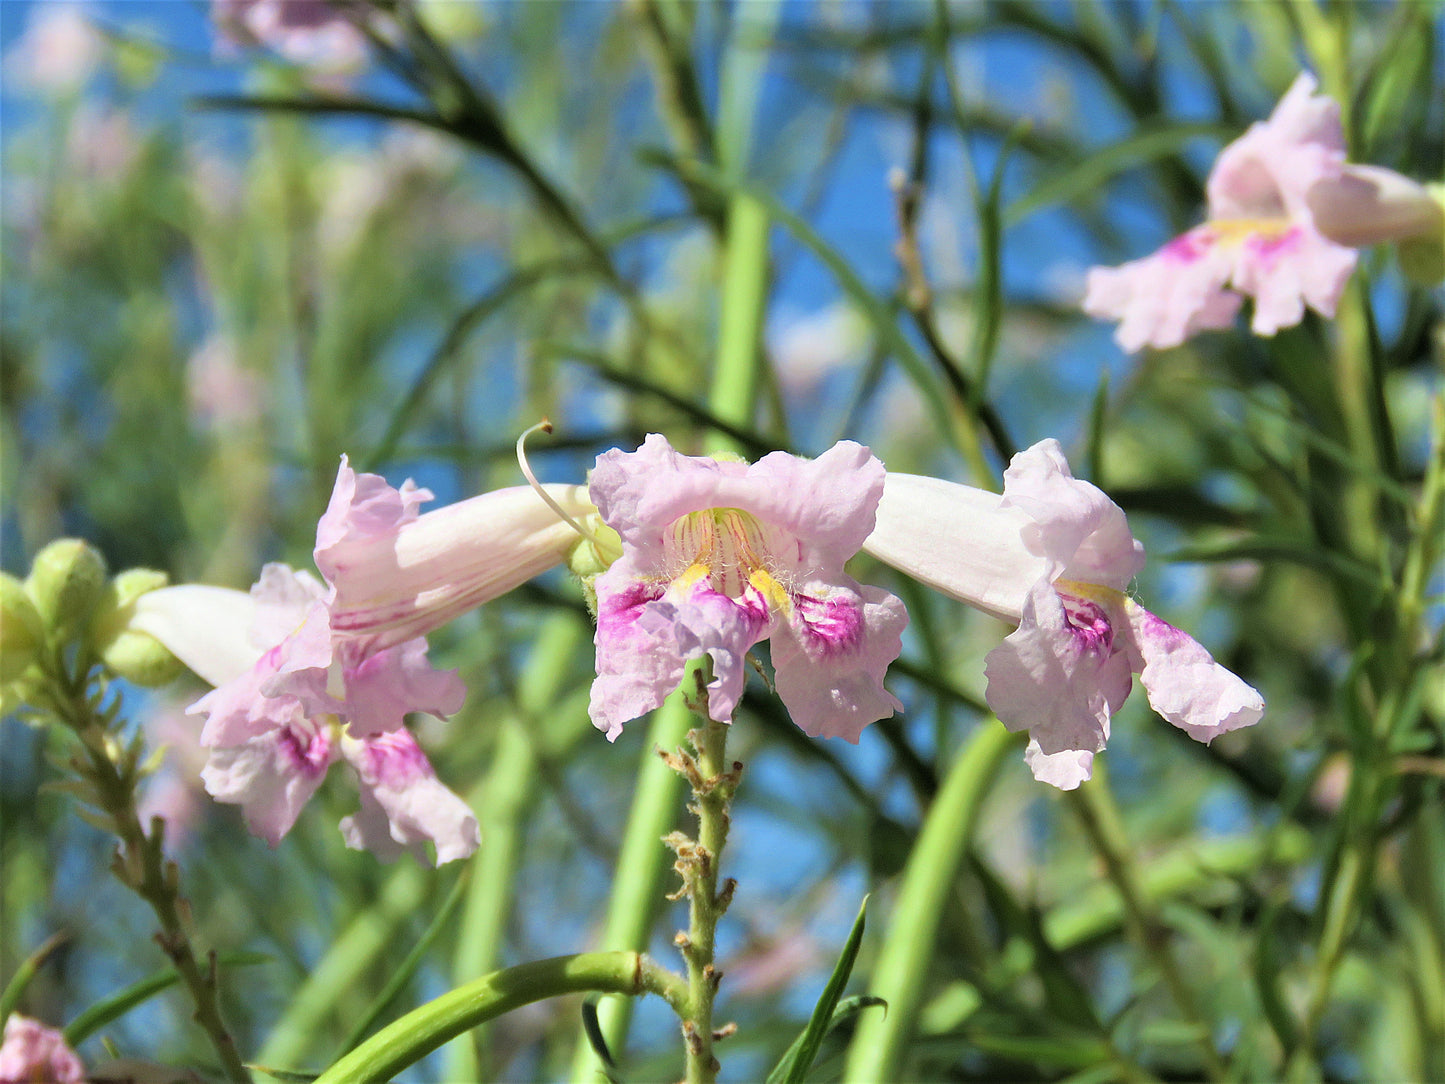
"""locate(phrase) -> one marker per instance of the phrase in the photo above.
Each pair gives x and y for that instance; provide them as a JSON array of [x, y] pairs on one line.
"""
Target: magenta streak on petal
[[309, 759], [393, 759], [833, 625], [1188, 247], [1089, 624], [1269, 248]]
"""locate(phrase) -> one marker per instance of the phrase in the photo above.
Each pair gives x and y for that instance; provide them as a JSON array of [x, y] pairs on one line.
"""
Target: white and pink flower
[[319, 34], [718, 555], [1260, 239], [306, 672], [1055, 556]]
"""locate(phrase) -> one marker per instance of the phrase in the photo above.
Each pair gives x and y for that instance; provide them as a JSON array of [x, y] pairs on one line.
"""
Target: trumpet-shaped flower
[[295, 659], [315, 33], [1260, 239], [1054, 555], [718, 555]]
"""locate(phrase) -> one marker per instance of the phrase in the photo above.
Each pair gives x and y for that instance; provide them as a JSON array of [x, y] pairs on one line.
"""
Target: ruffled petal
[[270, 777], [828, 503], [1058, 675], [643, 642], [403, 804], [1285, 273], [1163, 299], [1267, 171], [831, 653], [1075, 525], [1184, 683], [1065, 770], [363, 507], [384, 688]]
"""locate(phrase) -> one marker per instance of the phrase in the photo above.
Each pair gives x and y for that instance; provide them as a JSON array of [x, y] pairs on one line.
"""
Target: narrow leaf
[[798, 1060]]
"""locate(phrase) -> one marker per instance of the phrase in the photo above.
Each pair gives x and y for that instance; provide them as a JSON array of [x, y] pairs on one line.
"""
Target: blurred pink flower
[[718, 555], [223, 394], [315, 33], [59, 50], [174, 793], [1054, 555], [35, 1054], [1260, 239]]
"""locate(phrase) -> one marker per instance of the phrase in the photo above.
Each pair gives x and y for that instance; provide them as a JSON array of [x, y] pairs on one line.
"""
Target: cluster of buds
[[70, 604]]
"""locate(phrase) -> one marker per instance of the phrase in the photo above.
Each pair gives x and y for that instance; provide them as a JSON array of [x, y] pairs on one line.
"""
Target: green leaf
[[290, 1076], [798, 1060], [25, 972], [408, 968], [117, 1005]]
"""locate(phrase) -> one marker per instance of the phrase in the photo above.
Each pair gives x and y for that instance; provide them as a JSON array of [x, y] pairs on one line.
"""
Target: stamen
[[546, 426]]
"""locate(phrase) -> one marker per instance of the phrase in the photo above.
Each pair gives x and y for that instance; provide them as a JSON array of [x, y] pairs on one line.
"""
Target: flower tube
[[718, 555], [1054, 555], [1366, 205], [1260, 238]]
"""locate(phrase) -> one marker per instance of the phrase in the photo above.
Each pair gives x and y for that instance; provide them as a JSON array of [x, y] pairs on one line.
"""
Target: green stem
[[712, 792], [901, 973], [1095, 807], [141, 865], [502, 808], [641, 866], [411, 1038]]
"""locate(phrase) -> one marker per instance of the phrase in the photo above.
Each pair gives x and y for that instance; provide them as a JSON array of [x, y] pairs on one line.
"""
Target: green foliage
[[670, 217]]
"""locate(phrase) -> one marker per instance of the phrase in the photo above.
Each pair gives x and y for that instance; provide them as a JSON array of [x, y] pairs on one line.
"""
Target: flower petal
[[830, 656], [958, 540], [32, 1051], [1065, 770], [1058, 675], [1075, 524], [1163, 299], [1185, 685], [270, 777], [1365, 205], [207, 628], [403, 804], [383, 688]]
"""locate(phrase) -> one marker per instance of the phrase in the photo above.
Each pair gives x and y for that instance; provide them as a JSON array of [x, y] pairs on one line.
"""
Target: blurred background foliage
[[222, 270]]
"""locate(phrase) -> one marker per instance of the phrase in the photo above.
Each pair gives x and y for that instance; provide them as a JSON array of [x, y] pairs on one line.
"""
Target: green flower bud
[[129, 653], [66, 580], [1422, 258], [593, 556], [22, 635]]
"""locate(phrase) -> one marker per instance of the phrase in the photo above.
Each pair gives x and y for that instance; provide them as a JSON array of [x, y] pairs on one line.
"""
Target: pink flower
[[314, 33], [296, 659], [1055, 555], [1260, 239], [35, 1053], [719, 555]]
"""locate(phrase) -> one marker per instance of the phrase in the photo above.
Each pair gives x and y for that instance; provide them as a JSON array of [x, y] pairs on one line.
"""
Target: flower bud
[[66, 580], [22, 636], [129, 653]]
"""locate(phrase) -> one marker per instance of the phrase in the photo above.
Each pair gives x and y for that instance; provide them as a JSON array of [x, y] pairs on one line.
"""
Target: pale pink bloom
[[314, 33], [1366, 205], [296, 658], [1260, 239], [174, 793], [35, 1054], [60, 49], [718, 555], [1054, 555]]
